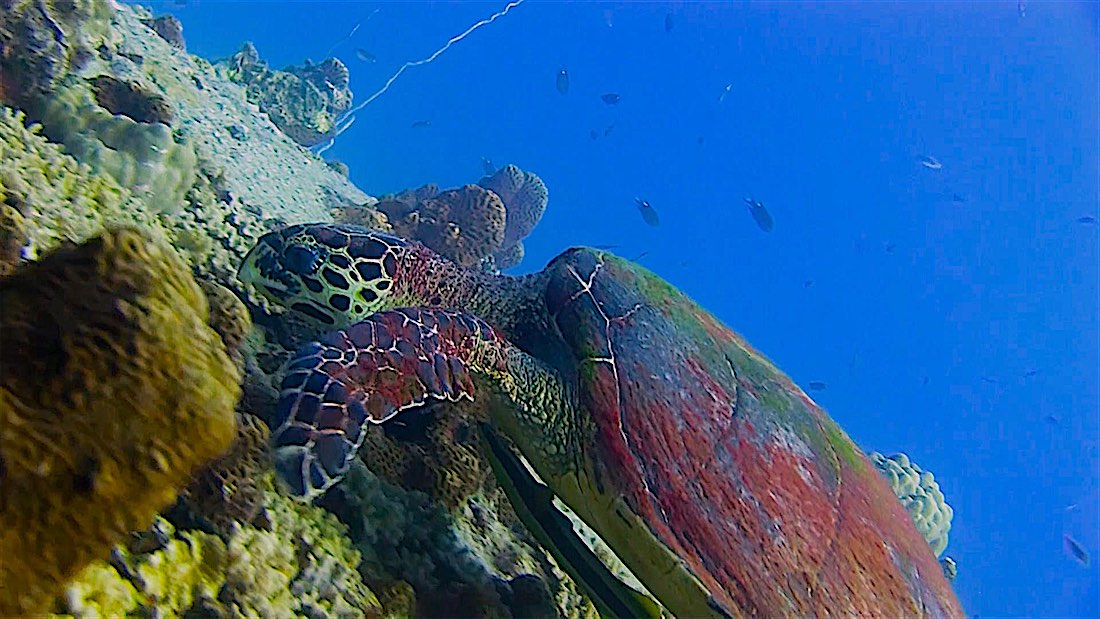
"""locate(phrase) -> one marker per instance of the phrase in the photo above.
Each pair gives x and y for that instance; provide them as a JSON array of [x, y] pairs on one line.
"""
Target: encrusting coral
[[302, 564], [113, 392]]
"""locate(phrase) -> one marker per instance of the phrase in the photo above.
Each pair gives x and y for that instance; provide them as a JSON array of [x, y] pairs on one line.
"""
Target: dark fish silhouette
[[563, 81], [817, 385], [808, 283], [760, 214], [1053, 420], [611, 98], [488, 167], [1086, 220], [668, 22], [1030, 373], [1076, 550], [699, 140], [593, 134], [649, 214], [607, 132], [364, 55], [889, 247], [957, 198], [420, 124]]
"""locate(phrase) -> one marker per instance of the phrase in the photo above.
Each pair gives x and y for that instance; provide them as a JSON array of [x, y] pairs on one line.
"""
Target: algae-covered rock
[[305, 102], [44, 40], [113, 392]]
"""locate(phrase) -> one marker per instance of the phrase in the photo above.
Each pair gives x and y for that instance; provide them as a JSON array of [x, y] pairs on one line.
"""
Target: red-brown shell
[[767, 501]]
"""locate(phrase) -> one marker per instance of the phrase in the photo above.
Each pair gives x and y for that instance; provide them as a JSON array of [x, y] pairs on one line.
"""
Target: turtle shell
[[709, 454]]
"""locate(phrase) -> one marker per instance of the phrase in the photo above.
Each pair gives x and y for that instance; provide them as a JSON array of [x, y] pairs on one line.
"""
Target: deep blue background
[[927, 347]]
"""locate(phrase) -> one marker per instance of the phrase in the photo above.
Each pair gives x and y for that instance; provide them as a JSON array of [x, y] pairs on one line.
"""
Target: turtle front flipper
[[394, 361]]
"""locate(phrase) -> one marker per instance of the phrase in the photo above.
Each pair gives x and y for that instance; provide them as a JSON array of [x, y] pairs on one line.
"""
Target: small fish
[[957, 198], [668, 22], [760, 214], [1076, 550], [1021, 8], [611, 98], [990, 380], [563, 81], [488, 167], [699, 140], [420, 124], [593, 134], [1030, 373], [725, 91], [889, 247], [808, 283], [1053, 420], [817, 385], [924, 380], [607, 132], [1070, 507], [365, 56], [1087, 220], [649, 214], [930, 162]]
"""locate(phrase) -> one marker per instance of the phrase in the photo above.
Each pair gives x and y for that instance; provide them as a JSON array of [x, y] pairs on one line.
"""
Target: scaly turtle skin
[[719, 483]]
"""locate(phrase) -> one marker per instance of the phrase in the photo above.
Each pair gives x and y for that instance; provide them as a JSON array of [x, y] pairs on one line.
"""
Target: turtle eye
[[301, 260]]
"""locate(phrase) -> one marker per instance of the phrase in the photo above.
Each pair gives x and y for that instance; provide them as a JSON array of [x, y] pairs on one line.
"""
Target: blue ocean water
[[952, 313]]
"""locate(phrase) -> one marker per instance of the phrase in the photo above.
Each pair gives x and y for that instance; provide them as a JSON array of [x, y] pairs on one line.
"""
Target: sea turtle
[[714, 479]]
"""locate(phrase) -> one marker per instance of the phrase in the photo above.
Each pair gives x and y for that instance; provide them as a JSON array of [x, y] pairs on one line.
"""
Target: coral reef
[[919, 492], [58, 198], [169, 28], [45, 40], [304, 102], [433, 451], [525, 197], [145, 157], [227, 492], [113, 392], [302, 566], [465, 225]]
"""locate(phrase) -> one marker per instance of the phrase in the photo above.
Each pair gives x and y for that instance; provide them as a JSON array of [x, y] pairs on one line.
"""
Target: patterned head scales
[[332, 274]]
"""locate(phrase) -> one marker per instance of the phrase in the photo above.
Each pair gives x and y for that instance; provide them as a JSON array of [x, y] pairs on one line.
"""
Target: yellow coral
[[113, 392]]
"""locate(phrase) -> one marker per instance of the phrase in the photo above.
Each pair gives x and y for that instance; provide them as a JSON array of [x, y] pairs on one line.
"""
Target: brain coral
[[113, 392], [920, 494], [525, 197]]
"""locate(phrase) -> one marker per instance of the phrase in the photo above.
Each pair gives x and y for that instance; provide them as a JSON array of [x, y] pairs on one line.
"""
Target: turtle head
[[331, 274]]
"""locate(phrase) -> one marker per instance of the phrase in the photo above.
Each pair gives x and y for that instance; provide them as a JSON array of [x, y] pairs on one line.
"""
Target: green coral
[[919, 492], [302, 566], [59, 199], [113, 392], [144, 157]]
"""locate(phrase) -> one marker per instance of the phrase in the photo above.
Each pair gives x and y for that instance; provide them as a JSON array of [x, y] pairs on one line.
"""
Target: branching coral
[[919, 492], [113, 392]]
